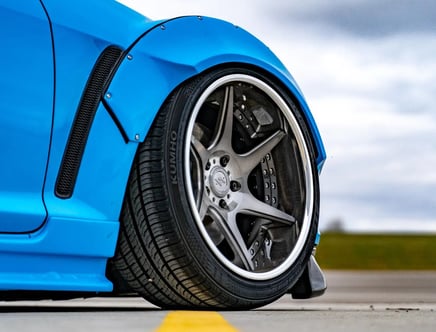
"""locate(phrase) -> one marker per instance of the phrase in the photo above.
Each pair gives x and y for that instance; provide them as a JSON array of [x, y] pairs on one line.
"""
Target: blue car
[[174, 159]]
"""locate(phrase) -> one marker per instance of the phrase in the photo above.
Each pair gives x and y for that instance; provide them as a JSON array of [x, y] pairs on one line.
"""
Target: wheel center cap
[[219, 181]]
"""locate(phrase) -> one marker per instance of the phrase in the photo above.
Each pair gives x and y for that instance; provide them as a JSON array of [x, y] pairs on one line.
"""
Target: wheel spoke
[[200, 150], [203, 206], [223, 136], [252, 158], [227, 224], [250, 205]]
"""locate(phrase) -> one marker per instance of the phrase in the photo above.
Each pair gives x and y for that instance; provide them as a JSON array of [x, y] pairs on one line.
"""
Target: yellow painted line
[[195, 321]]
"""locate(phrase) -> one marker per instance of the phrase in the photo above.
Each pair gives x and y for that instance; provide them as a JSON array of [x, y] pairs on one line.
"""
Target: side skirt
[[66, 255]]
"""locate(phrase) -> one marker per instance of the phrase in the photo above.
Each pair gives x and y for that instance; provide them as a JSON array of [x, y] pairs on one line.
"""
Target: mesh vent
[[95, 87]]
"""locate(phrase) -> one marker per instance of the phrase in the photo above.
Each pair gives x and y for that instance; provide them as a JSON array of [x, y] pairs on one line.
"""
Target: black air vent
[[95, 87]]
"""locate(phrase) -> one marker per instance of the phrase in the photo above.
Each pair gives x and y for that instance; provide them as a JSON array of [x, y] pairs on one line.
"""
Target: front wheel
[[221, 209]]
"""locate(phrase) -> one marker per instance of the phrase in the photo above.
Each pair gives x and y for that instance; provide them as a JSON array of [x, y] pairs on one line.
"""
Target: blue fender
[[79, 38], [177, 50]]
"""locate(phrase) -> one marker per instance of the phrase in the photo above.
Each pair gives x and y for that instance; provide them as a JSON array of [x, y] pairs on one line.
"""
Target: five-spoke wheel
[[222, 205]]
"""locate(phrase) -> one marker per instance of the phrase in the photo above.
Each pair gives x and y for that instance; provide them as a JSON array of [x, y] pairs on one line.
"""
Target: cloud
[[363, 18]]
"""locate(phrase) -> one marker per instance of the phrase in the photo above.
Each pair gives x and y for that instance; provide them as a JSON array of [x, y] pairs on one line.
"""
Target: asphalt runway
[[355, 301]]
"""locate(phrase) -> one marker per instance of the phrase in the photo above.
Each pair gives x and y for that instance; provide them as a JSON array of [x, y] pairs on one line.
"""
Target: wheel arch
[[176, 51]]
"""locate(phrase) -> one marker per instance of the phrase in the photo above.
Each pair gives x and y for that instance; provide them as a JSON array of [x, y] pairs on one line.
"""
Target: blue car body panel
[[87, 35], [55, 244], [25, 129]]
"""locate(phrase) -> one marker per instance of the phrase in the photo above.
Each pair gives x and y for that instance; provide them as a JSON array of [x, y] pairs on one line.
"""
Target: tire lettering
[[173, 165]]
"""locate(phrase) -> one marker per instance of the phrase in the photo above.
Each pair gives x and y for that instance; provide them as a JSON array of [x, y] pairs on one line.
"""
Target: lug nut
[[223, 204], [224, 161], [235, 186]]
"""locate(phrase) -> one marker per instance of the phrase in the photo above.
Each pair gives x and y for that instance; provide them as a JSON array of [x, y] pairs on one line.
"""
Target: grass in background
[[345, 251]]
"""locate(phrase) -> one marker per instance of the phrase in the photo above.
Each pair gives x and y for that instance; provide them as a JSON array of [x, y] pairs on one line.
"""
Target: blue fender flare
[[178, 49]]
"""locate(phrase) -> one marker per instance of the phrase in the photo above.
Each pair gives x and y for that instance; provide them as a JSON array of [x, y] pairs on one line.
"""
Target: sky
[[368, 71]]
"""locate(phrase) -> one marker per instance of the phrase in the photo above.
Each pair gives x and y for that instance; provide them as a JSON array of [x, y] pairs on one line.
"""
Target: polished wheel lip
[[307, 167]]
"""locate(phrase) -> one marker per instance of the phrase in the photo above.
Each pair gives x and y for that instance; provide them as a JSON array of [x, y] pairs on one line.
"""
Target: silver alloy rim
[[218, 187]]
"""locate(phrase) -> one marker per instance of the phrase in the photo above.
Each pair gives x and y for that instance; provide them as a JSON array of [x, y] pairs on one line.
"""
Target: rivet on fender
[[137, 137]]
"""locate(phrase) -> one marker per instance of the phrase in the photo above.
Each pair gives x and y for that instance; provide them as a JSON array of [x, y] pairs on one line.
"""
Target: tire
[[221, 209]]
